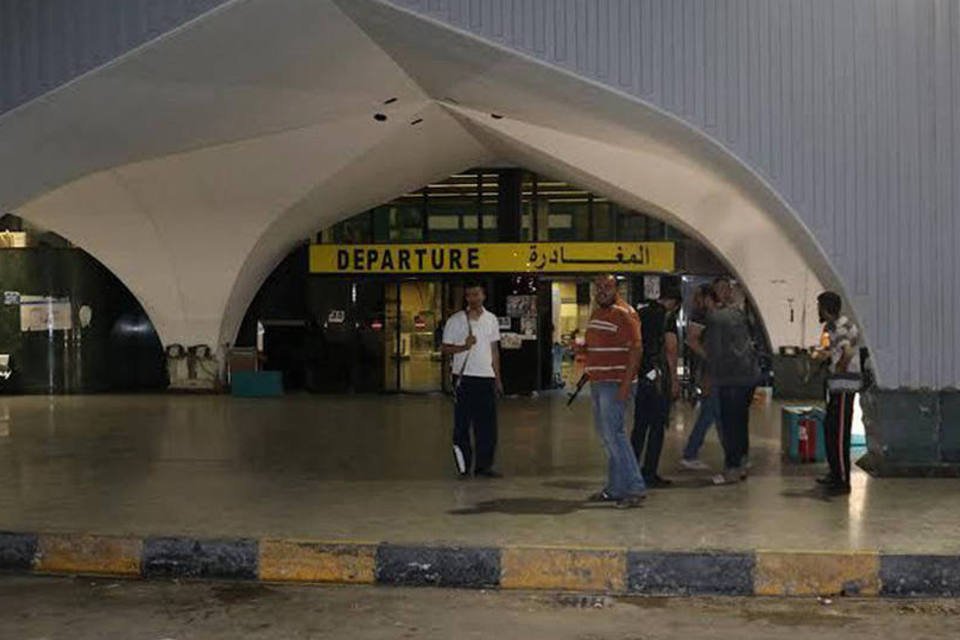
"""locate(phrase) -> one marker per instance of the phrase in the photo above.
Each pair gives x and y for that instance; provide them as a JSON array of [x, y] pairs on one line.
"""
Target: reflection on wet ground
[[379, 468]]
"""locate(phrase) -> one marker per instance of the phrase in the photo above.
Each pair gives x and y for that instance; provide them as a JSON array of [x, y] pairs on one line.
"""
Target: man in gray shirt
[[733, 365]]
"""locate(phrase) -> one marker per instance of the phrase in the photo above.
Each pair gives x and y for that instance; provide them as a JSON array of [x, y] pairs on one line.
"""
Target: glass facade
[[464, 208], [68, 325], [382, 332]]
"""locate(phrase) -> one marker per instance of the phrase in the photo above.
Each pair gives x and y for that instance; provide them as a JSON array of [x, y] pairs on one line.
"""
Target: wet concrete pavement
[[379, 468], [106, 610]]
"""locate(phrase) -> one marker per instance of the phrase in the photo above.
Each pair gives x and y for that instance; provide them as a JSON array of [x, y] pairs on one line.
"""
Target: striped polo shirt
[[611, 333]]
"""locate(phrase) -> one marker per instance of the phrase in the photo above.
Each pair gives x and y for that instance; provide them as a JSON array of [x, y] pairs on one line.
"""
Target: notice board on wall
[[45, 313]]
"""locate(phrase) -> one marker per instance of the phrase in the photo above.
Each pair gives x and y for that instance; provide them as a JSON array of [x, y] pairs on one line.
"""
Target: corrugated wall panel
[[46, 43], [849, 108]]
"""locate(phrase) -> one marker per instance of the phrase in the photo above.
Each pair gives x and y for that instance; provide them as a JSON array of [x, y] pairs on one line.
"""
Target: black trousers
[[476, 409], [650, 414], [734, 423], [836, 431]]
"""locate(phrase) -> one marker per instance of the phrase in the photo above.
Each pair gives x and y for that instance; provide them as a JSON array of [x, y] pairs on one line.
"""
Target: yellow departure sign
[[520, 257]]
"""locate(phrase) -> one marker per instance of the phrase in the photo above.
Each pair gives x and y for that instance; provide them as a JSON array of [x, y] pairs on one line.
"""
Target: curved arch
[[108, 341], [396, 164], [196, 231], [685, 194], [560, 123], [104, 217]]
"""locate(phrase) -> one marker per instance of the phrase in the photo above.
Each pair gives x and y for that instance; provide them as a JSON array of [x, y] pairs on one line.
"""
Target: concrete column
[[509, 205]]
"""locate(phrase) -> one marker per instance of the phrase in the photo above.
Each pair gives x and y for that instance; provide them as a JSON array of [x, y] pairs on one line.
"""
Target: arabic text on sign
[[541, 259], [545, 257]]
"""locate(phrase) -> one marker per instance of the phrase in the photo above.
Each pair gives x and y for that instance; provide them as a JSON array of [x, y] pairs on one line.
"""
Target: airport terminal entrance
[[362, 309], [383, 334]]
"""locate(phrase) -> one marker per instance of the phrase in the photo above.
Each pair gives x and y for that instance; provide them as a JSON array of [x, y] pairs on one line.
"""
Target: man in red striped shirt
[[614, 350]]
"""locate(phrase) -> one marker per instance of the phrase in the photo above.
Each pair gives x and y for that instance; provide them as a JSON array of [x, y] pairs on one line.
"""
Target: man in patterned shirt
[[842, 352]]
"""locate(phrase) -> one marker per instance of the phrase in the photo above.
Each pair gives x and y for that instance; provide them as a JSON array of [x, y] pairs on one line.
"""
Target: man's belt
[[845, 382]]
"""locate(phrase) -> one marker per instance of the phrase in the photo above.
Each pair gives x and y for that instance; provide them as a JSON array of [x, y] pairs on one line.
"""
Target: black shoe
[[657, 482], [837, 489], [488, 473], [827, 479], [463, 476], [601, 496], [630, 502]]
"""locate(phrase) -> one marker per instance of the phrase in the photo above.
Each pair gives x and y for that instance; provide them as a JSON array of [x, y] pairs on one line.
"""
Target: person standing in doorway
[[472, 337], [842, 352], [735, 370], [658, 385], [613, 352], [704, 303]]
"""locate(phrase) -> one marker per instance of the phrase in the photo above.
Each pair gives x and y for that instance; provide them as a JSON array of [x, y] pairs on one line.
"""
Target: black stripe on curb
[[17, 551], [916, 575], [190, 558], [681, 573], [475, 568]]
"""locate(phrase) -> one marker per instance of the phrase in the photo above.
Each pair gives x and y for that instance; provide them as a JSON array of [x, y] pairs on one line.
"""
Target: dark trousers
[[476, 407], [836, 431], [734, 424], [650, 414]]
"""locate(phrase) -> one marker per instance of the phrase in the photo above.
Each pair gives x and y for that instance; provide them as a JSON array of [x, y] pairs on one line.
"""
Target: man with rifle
[[614, 350]]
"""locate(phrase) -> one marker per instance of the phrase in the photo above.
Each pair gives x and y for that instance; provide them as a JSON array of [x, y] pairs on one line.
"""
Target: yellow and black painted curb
[[615, 571]]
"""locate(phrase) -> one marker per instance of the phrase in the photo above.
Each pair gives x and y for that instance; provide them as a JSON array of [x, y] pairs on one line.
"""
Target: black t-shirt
[[697, 364], [655, 323]]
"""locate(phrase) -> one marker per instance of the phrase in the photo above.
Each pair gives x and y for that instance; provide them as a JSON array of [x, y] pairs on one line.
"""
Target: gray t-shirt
[[731, 354]]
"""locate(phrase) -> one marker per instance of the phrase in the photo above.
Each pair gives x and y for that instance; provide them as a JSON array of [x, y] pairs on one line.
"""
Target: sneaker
[[630, 502], [694, 465], [601, 496], [827, 479], [730, 476], [489, 473]]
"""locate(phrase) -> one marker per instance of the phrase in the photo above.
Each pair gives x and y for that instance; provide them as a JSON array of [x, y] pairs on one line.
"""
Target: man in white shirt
[[472, 337]]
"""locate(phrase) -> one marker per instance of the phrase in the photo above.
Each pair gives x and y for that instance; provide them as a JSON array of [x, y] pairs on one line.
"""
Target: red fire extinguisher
[[807, 448]]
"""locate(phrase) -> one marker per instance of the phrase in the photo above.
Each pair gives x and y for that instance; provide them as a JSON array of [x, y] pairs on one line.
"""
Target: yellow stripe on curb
[[567, 569], [292, 561], [91, 554], [808, 574]]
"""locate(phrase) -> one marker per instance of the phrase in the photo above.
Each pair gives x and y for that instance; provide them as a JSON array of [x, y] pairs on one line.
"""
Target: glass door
[[418, 347], [391, 336]]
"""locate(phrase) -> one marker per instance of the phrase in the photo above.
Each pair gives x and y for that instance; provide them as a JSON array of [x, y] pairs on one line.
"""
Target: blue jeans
[[709, 414], [623, 472]]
